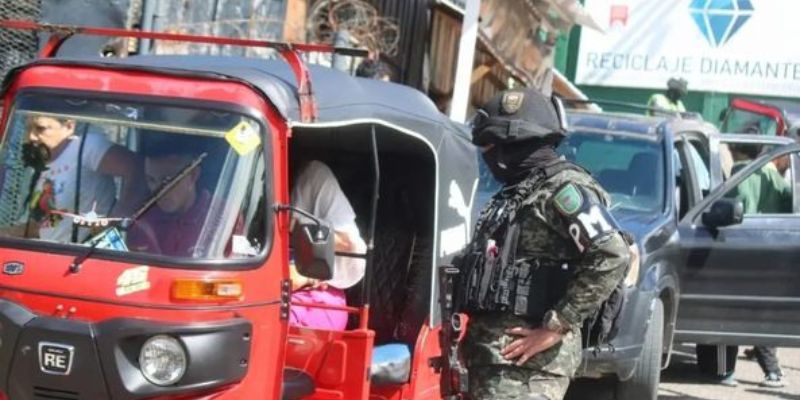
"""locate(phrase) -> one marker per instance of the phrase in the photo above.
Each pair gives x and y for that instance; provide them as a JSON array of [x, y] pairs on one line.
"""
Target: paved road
[[682, 382]]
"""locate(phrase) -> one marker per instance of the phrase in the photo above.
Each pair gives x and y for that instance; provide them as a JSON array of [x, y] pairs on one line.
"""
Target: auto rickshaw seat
[[297, 384]]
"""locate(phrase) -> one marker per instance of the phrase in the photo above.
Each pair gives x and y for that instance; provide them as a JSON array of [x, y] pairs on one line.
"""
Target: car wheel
[[643, 385]]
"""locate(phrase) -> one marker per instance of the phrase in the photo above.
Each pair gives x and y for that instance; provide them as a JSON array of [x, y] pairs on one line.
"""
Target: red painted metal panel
[[339, 362], [90, 295]]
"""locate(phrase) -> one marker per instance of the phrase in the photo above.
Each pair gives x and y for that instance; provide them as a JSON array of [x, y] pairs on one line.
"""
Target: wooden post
[[294, 25], [466, 58]]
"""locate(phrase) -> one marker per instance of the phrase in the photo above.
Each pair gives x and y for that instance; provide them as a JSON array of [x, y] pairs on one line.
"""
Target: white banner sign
[[731, 46]]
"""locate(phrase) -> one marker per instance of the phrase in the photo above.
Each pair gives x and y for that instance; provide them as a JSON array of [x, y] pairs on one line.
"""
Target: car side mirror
[[724, 212], [314, 250]]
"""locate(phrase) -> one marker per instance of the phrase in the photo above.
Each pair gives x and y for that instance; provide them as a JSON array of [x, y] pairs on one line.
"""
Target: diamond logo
[[719, 20]]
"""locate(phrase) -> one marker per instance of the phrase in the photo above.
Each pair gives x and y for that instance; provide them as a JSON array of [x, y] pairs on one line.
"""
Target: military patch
[[568, 200], [512, 101], [587, 218]]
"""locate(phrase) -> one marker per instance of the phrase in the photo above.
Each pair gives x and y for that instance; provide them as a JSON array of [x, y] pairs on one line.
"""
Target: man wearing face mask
[[670, 101], [545, 254]]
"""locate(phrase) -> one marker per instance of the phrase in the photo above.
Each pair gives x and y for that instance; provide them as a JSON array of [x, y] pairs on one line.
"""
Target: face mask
[[674, 95], [505, 161], [509, 163], [496, 166]]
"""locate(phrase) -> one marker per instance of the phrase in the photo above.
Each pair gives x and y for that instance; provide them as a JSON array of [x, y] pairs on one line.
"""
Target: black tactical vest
[[493, 279]]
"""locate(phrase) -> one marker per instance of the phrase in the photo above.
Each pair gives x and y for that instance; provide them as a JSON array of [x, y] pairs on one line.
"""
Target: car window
[[700, 168], [741, 121], [681, 191], [767, 190], [742, 154], [629, 167]]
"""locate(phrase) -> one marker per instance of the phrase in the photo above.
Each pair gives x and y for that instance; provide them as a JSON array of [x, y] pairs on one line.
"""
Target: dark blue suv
[[661, 173]]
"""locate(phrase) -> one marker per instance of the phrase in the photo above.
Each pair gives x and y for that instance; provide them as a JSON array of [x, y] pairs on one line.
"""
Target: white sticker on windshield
[[133, 280], [241, 246]]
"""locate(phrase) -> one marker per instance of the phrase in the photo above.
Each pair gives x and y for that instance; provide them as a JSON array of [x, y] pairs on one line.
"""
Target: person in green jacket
[[763, 192], [669, 101]]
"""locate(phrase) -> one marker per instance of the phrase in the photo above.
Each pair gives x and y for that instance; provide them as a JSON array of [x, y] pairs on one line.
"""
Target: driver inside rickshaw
[[317, 191], [183, 208], [173, 226]]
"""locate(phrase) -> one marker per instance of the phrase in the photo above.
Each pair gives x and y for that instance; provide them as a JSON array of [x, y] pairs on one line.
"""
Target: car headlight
[[162, 360], [632, 277]]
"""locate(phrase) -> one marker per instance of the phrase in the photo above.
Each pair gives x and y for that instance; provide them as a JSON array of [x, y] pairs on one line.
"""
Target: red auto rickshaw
[[98, 302]]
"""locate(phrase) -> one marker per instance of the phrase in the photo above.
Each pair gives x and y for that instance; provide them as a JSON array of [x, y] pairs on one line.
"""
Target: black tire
[[643, 385]]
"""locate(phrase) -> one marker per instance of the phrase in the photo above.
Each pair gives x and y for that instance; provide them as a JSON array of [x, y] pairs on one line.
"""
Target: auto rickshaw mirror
[[313, 250], [724, 212]]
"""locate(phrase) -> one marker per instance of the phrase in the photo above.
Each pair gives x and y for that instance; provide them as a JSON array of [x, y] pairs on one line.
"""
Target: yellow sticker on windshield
[[243, 138]]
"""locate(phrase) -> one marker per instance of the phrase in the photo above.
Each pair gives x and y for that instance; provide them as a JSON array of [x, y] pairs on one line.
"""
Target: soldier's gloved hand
[[530, 343]]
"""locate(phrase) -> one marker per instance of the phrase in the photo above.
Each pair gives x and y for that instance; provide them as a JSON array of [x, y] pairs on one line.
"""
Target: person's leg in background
[[718, 365], [767, 358]]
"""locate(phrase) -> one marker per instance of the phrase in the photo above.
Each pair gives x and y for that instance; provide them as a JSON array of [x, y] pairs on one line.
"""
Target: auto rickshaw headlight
[[162, 360]]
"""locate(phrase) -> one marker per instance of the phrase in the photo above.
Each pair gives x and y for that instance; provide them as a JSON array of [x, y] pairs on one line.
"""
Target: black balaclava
[[523, 129], [511, 163]]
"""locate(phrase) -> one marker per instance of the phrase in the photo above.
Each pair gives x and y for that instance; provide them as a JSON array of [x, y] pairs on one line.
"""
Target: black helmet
[[518, 115], [679, 85]]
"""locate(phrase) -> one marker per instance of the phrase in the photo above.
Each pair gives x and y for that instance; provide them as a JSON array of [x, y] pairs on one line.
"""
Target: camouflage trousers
[[515, 383], [546, 376]]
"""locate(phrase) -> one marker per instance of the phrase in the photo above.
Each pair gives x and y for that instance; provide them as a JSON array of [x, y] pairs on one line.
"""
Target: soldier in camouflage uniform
[[546, 253]]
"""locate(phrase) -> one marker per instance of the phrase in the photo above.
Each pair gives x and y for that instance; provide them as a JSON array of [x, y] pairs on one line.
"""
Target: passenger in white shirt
[[101, 161], [317, 191]]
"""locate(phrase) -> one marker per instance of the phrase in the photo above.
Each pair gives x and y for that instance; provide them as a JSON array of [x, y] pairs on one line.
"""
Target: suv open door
[[740, 282]]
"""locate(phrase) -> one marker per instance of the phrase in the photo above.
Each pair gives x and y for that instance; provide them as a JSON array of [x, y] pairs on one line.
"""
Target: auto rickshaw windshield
[[133, 177]]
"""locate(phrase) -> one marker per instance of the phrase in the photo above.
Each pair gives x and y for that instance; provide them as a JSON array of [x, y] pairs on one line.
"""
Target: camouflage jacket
[[549, 219]]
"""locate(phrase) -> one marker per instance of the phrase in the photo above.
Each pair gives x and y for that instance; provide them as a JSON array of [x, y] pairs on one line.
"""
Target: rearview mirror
[[314, 250], [724, 212]]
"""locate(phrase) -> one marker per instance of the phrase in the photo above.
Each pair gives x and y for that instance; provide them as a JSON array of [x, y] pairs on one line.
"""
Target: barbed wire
[[360, 19]]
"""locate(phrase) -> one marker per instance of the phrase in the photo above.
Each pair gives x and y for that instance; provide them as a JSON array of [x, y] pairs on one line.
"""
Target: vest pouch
[[466, 284], [603, 326], [548, 286]]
